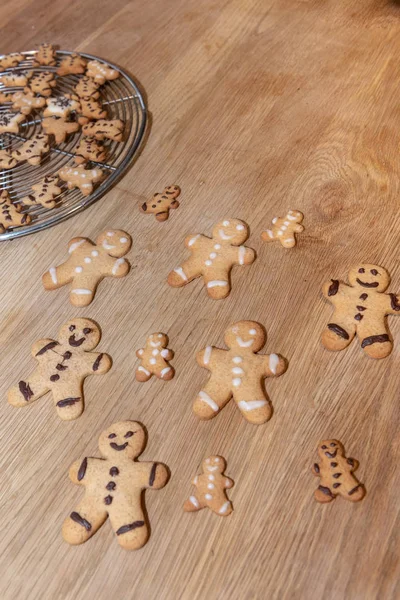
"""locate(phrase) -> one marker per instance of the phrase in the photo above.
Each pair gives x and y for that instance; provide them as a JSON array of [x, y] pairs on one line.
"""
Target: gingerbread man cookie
[[10, 214], [101, 72], [91, 110], [284, 229], [9, 61], [362, 308], [26, 102], [213, 258], [87, 87], [105, 129], [14, 79], [336, 473], [9, 121], [42, 83], [113, 488], [73, 64], [210, 488], [44, 192], [45, 56], [59, 128], [63, 366], [62, 106], [161, 204], [89, 263], [5, 98], [239, 373], [81, 178], [6, 160], [33, 149], [154, 359], [89, 149]]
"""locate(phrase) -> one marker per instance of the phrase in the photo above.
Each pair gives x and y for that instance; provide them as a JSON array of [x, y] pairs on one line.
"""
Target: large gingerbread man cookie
[[154, 359], [239, 373], [336, 474], [213, 258], [89, 263], [63, 366], [284, 229], [113, 488], [362, 308], [210, 488]]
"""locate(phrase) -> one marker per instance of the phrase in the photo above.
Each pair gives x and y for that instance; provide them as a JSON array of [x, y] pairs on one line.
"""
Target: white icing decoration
[[53, 274], [237, 371], [273, 362], [217, 246], [242, 252], [154, 352], [207, 355], [283, 228], [107, 246], [210, 486], [291, 218], [159, 335], [78, 269], [211, 477], [94, 253], [181, 273], [208, 263], [194, 501], [81, 291], [213, 255], [274, 220], [269, 233], [123, 240], [286, 223], [212, 468], [280, 232], [165, 371], [87, 259], [140, 352], [208, 496], [206, 398], [223, 235], [75, 245], [244, 344], [110, 233], [216, 283], [252, 331], [225, 223], [224, 508], [196, 480], [144, 370], [237, 359], [240, 227], [155, 344], [193, 240], [153, 361], [164, 353], [117, 264], [236, 381], [252, 405]]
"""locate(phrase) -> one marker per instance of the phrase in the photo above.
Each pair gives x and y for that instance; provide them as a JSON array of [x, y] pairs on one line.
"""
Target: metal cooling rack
[[122, 99]]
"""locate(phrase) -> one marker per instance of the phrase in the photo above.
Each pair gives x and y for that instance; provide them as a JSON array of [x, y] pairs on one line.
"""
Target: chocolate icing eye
[[361, 270], [72, 327], [128, 434], [333, 444], [324, 447], [112, 435], [374, 272], [87, 330]]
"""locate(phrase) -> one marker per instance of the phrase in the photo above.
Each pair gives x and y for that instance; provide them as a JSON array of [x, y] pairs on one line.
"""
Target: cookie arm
[[331, 288], [192, 240], [151, 475], [244, 255], [120, 267], [139, 352], [97, 363], [315, 470], [393, 304], [79, 471], [298, 228], [353, 464], [208, 357], [56, 277], [43, 347], [274, 365], [167, 354], [228, 482]]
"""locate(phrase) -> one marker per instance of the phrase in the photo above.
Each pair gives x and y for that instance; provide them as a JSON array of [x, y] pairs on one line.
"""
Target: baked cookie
[[336, 474], [62, 368], [161, 204], [89, 263], [10, 214], [100, 72], [33, 149], [12, 60], [87, 87], [89, 149], [73, 64], [14, 79], [59, 128], [362, 308], [284, 229], [42, 83], [9, 121], [81, 178], [44, 193], [45, 56], [154, 359], [25, 102], [6, 160], [62, 106], [213, 258], [91, 110], [105, 129], [114, 488], [210, 488], [239, 373], [5, 98]]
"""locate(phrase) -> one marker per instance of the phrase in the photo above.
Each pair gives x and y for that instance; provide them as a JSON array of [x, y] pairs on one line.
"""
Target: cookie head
[[172, 191], [330, 449], [214, 464], [124, 439], [158, 340], [295, 216], [371, 277], [233, 231], [80, 333], [115, 241], [245, 334]]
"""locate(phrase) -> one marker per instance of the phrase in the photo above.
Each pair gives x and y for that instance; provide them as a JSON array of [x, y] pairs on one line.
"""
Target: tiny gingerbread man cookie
[[45, 56], [5, 98], [161, 204], [114, 488], [213, 258], [44, 192], [89, 149], [89, 263], [73, 64], [42, 83], [101, 72], [10, 214], [10, 60], [361, 308], [285, 229], [14, 79], [154, 359], [239, 373], [336, 473], [6, 160], [62, 106], [210, 488], [63, 366], [9, 121], [59, 128], [81, 178], [105, 129], [87, 87], [91, 110], [26, 102], [33, 149]]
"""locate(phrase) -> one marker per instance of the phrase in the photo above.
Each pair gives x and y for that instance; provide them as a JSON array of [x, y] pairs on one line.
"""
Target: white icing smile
[[244, 344], [223, 235], [107, 246], [155, 344], [212, 468]]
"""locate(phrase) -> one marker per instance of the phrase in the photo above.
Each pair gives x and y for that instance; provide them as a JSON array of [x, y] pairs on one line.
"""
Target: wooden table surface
[[257, 106]]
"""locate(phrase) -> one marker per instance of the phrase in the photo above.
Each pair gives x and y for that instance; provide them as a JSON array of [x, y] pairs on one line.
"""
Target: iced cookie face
[[80, 333], [116, 242], [245, 334], [295, 216], [214, 464], [371, 277], [158, 340], [330, 449], [126, 438], [233, 231]]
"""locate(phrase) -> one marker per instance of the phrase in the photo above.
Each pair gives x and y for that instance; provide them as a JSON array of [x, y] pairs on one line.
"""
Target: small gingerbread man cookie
[[44, 192], [5, 98], [6, 160], [45, 56], [33, 149], [362, 308], [81, 178], [210, 488], [154, 359], [26, 102], [87, 87], [91, 110], [62, 106], [63, 366], [59, 128], [9, 121], [239, 373], [105, 129], [114, 488], [89, 263], [9, 61], [100, 72], [42, 83], [14, 79], [10, 214], [336, 474], [89, 149], [285, 229], [213, 258], [73, 64], [161, 204]]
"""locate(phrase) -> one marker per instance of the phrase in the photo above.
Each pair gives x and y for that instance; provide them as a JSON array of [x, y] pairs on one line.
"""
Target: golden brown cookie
[[5, 98], [87, 87], [44, 192], [362, 308], [114, 488], [6, 160], [89, 149], [45, 56], [73, 64], [213, 258], [211, 486], [33, 149], [154, 359], [12, 60], [14, 79], [25, 102], [10, 214], [89, 263], [63, 366], [62, 106], [336, 474], [105, 129], [59, 128], [81, 178], [9, 121], [284, 229], [91, 110], [239, 373], [161, 204], [42, 83], [100, 72]]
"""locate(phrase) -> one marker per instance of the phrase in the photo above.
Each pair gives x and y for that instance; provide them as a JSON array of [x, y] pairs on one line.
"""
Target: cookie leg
[[83, 290], [167, 373], [288, 241], [142, 374], [183, 274], [223, 508], [323, 494], [83, 522], [268, 236], [211, 399], [27, 390], [129, 525], [352, 490], [193, 504], [68, 401], [339, 333], [375, 340], [217, 283], [252, 402]]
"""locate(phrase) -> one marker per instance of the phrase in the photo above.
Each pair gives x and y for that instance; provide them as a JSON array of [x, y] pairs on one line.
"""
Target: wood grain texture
[[258, 106]]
